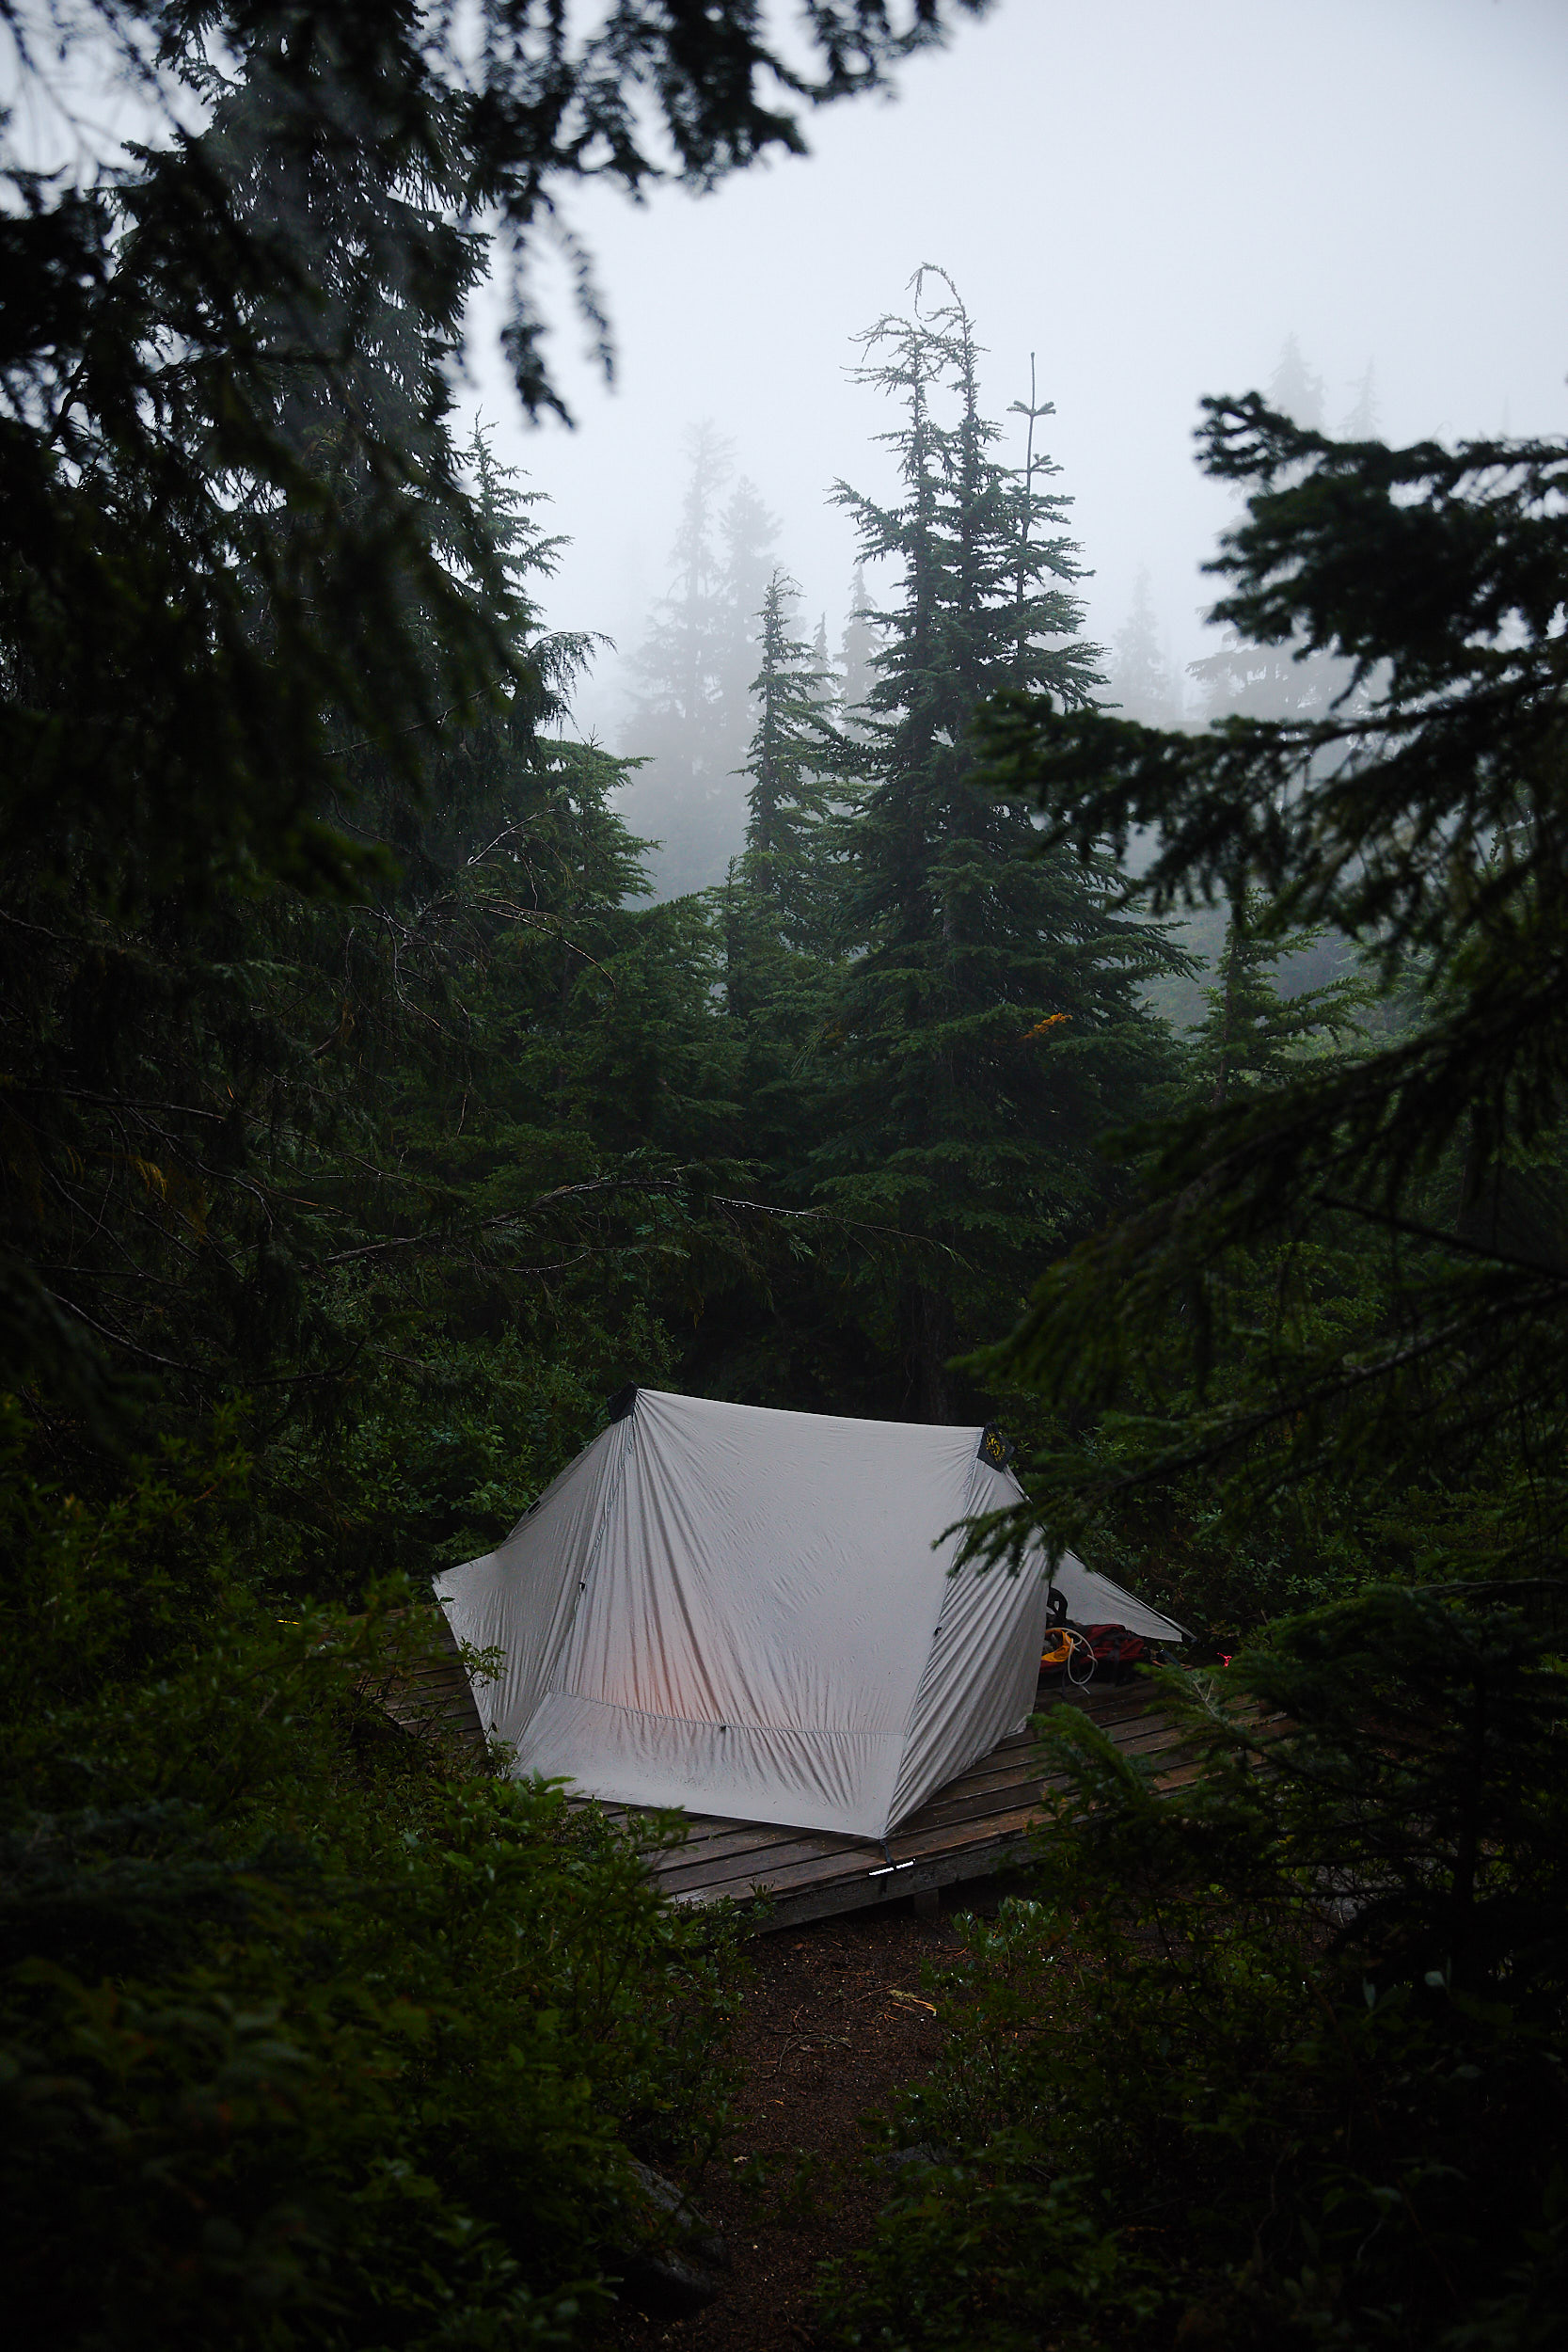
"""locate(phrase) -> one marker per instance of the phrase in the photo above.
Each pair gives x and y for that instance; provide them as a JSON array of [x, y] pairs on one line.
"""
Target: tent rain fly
[[743, 1611]]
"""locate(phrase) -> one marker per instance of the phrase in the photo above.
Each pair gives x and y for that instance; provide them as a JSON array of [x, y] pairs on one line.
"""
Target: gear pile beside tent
[[754, 1613]]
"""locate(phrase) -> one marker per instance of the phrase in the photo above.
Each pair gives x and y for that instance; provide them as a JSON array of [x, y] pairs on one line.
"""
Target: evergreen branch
[[118, 1339], [1392, 1222]]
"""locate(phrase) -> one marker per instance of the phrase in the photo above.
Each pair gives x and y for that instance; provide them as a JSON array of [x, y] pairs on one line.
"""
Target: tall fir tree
[[1296, 389], [1253, 1034], [796, 762], [990, 1024], [672, 716], [1364, 422], [779, 917], [746, 537], [857, 649], [690, 720], [1141, 683]]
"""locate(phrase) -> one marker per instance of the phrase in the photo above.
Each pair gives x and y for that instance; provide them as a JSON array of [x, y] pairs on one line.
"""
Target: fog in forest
[[1346, 205], [1003, 1290]]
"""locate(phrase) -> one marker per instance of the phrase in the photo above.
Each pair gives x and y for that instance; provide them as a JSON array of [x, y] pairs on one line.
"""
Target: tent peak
[[992, 1443]]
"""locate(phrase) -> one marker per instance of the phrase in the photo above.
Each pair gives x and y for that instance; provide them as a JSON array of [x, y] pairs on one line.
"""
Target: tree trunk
[[928, 1341]]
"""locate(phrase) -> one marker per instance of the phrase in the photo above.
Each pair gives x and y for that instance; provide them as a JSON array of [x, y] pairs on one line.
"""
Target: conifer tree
[[748, 534], [692, 721], [1248, 680], [1363, 422], [795, 756], [991, 1025], [779, 907], [858, 648], [1296, 389], [1141, 682], [1252, 1035], [673, 719]]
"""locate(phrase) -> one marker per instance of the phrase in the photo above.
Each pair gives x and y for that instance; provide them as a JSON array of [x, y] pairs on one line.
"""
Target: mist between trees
[[692, 688], [370, 1113]]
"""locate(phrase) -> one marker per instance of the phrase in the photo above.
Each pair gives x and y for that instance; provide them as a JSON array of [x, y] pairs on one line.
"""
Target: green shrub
[[304, 2038], [1276, 2055]]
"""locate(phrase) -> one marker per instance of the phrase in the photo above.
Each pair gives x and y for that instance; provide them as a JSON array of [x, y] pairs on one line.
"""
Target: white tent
[[750, 1612]]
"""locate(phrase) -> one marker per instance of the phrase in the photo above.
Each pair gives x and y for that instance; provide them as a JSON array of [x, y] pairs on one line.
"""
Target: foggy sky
[[1149, 195]]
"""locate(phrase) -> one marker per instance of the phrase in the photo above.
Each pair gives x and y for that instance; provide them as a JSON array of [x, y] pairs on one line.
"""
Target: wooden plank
[[764, 1874], [807, 1870], [794, 1877], [728, 1834], [1146, 1736], [974, 1795], [745, 1848], [958, 1817], [723, 1847], [1113, 1701], [428, 1694], [992, 1842], [759, 1861], [995, 1792], [948, 1837], [790, 1866], [747, 1836], [978, 1824], [791, 1907], [781, 1851], [961, 1805], [967, 1828]]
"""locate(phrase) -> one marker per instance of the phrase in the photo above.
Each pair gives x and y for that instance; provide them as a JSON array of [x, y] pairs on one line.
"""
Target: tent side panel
[[519, 1599], [980, 1681], [799, 1779], [758, 1614]]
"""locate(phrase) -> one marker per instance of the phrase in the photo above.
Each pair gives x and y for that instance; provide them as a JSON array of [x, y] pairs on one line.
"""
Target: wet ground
[[837, 2023]]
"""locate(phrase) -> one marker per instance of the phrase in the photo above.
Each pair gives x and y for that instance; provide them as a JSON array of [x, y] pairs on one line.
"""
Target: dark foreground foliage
[[1423, 817], [304, 2038], [1277, 2057]]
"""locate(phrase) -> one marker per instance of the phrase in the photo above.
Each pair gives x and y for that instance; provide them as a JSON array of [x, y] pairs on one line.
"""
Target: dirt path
[[825, 2038]]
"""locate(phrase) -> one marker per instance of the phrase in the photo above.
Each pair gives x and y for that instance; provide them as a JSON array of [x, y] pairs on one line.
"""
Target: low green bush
[[306, 2036], [1275, 2055]]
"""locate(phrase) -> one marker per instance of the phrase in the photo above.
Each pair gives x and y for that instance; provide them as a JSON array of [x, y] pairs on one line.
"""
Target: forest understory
[[837, 2019], [1164, 1091]]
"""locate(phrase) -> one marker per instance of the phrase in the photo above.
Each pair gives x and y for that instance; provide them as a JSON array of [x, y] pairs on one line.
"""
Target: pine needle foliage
[[1273, 2056], [990, 1026], [1252, 1034], [1423, 819], [397, 1115], [308, 2036], [795, 769], [679, 717], [693, 711]]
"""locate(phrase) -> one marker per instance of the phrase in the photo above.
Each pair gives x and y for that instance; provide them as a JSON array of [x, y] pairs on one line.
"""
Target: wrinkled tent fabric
[[1093, 1600], [753, 1614]]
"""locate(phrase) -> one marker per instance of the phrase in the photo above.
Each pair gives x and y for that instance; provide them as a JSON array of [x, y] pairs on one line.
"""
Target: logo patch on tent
[[996, 1449]]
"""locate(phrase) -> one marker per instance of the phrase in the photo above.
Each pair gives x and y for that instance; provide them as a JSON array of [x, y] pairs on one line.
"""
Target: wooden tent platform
[[976, 1824], [427, 1693]]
